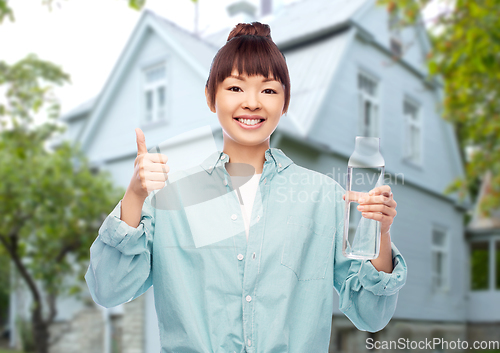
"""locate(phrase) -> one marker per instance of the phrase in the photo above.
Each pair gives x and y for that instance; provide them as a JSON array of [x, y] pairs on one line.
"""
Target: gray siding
[[337, 121], [411, 232]]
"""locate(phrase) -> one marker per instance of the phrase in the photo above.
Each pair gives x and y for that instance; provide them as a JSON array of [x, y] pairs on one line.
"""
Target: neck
[[253, 155]]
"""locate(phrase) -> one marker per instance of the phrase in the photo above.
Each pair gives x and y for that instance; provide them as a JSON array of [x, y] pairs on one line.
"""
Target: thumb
[[141, 142]]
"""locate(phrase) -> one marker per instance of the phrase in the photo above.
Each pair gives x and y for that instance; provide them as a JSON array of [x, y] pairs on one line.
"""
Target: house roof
[[479, 222], [79, 110], [293, 25]]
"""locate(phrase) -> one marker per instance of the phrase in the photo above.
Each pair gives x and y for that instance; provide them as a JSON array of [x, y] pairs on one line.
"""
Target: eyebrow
[[241, 78]]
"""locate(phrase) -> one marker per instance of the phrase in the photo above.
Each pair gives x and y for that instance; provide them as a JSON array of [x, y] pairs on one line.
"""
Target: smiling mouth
[[250, 122]]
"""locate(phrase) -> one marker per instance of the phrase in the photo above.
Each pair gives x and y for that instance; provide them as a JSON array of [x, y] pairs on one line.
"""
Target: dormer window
[[155, 93]]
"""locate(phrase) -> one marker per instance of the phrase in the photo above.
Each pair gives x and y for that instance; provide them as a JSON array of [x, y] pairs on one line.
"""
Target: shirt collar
[[274, 155]]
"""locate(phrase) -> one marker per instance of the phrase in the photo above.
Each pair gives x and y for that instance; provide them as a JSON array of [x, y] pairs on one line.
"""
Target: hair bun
[[250, 29]]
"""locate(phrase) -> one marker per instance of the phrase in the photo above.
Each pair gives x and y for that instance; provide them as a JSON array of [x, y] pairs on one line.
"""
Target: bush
[[26, 335]]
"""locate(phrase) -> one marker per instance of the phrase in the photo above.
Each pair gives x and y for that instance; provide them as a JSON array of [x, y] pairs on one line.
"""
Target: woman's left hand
[[378, 204]]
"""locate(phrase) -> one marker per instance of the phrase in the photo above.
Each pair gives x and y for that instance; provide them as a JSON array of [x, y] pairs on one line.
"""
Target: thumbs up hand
[[150, 169]]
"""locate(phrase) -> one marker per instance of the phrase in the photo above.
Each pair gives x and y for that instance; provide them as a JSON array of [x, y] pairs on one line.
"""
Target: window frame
[[154, 87], [410, 123], [374, 99], [492, 241], [445, 250]]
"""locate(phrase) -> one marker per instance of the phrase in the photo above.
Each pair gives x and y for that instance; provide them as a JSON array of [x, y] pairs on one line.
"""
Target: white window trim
[[408, 123], [373, 129], [153, 86], [445, 249], [491, 240]]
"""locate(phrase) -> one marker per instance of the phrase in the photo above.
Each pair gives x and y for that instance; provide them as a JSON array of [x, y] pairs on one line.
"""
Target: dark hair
[[251, 50]]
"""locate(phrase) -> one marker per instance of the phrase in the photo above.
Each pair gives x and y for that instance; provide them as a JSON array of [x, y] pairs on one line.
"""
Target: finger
[[154, 185], [158, 168], [377, 216], [384, 209], [141, 142], [153, 176], [381, 190], [379, 199], [355, 196], [157, 158]]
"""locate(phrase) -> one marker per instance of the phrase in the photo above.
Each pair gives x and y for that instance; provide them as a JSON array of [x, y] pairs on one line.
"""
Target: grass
[[8, 351]]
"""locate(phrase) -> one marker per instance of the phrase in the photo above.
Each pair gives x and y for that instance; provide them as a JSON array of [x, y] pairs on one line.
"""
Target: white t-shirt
[[248, 192]]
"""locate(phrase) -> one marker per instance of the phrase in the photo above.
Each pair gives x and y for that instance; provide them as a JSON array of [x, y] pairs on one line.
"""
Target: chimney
[[266, 7], [241, 11]]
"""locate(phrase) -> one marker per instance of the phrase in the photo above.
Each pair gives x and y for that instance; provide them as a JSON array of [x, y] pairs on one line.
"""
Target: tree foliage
[[466, 55], [51, 203]]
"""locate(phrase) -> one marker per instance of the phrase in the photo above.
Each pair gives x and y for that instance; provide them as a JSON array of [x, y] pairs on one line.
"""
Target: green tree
[[466, 54], [51, 204]]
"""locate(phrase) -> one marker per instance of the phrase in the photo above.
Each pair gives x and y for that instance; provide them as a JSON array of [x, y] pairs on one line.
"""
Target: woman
[[216, 291]]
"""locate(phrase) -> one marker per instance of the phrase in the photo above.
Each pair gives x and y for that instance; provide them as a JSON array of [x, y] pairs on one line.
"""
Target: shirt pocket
[[307, 247]]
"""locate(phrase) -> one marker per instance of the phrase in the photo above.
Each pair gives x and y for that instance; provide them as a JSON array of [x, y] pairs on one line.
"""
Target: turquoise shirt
[[214, 291]]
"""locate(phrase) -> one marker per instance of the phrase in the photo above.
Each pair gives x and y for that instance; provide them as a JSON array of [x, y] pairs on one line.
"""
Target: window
[[395, 31], [485, 265], [368, 106], [439, 259], [155, 88], [479, 265], [497, 264], [413, 132]]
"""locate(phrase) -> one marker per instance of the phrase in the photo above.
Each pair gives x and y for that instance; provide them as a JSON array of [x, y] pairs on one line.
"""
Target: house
[[345, 83], [483, 235]]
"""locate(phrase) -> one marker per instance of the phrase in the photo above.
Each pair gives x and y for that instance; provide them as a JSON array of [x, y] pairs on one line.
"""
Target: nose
[[252, 101]]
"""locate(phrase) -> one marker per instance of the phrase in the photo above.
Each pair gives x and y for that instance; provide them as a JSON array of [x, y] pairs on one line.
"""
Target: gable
[[374, 19], [180, 42]]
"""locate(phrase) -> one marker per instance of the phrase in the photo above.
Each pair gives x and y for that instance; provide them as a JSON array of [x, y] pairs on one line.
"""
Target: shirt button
[[223, 156], [249, 298], [279, 165], [225, 182], [234, 216], [249, 343], [240, 256], [258, 217], [253, 256], [210, 168]]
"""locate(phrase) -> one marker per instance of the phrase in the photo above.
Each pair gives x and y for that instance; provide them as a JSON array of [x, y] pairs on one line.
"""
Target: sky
[[86, 37]]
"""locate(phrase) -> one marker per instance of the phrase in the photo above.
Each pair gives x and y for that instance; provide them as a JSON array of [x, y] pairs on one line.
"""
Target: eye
[[231, 88], [268, 89]]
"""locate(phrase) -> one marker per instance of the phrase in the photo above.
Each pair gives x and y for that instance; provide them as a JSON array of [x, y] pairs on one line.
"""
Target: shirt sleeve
[[121, 258], [366, 296]]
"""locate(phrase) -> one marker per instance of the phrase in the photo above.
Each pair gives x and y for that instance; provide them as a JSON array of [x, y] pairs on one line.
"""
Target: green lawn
[[8, 351]]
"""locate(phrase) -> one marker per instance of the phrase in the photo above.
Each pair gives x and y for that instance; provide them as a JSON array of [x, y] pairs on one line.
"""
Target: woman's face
[[248, 97]]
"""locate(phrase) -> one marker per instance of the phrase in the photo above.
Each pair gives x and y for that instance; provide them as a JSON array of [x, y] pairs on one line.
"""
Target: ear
[[208, 101]]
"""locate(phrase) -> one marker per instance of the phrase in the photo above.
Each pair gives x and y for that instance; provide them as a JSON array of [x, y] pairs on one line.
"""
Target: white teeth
[[249, 121]]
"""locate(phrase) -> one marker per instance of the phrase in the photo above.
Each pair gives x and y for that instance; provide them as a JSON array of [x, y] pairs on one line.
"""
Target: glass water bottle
[[365, 171]]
